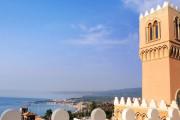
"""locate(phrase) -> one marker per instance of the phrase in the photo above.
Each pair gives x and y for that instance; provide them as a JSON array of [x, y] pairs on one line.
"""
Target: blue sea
[[33, 104]]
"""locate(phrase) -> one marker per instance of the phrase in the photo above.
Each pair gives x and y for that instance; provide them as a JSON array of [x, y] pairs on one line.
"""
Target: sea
[[35, 105], [30, 99]]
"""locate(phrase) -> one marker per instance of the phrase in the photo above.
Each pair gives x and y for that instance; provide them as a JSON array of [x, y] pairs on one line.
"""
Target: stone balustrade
[[13, 114], [99, 114], [129, 109], [143, 110]]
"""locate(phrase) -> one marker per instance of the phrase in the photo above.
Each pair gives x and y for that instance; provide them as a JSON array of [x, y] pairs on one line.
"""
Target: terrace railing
[[97, 114]]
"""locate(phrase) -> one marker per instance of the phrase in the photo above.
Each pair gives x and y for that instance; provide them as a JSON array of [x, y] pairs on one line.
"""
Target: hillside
[[105, 96]]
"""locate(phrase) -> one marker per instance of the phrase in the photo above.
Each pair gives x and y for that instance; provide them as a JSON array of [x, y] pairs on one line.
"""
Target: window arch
[[176, 27], [150, 31], [153, 31], [156, 30]]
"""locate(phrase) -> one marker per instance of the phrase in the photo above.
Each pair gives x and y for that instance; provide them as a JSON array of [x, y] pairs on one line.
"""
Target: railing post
[[11, 114], [98, 114], [60, 115], [128, 114], [153, 114], [173, 114]]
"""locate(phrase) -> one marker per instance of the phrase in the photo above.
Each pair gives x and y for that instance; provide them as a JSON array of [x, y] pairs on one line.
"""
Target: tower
[[159, 51]]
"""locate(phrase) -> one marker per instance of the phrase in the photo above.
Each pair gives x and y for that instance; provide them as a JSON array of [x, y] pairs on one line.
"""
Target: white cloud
[[88, 29], [142, 5], [99, 35]]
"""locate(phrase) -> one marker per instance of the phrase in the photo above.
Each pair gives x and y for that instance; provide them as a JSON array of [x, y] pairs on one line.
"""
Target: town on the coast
[[83, 108]]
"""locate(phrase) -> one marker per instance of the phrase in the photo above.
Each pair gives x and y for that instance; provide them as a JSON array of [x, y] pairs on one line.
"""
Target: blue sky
[[74, 45]]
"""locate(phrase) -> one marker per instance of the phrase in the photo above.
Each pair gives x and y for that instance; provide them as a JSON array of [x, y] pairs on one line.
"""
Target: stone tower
[[160, 53]]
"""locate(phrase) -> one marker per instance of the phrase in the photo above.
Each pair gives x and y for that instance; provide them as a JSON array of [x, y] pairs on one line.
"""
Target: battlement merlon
[[158, 8], [143, 103]]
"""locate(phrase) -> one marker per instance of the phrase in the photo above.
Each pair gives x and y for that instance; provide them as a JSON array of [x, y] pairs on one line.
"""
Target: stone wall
[[137, 109]]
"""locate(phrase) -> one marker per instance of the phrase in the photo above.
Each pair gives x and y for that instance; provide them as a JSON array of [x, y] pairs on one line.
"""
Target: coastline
[[70, 102]]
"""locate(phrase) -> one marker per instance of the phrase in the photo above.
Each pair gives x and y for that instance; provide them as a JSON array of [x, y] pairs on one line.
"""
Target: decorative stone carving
[[154, 53]]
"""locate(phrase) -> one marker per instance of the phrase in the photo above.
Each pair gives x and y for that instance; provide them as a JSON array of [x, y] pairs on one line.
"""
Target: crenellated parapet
[[141, 108], [159, 7]]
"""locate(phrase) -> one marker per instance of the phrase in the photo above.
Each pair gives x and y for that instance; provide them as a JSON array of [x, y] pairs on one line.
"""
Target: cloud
[[142, 5], [96, 28], [85, 28], [99, 35]]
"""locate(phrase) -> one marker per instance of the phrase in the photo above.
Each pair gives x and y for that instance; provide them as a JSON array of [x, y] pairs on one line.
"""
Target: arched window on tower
[[153, 31], [176, 27], [150, 32], [156, 30]]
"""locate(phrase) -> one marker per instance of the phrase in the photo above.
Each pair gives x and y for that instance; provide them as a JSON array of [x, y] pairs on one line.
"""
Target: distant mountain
[[129, 92], [103, 96]]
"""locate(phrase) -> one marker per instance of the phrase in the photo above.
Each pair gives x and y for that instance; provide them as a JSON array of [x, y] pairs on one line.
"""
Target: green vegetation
[[107, 107], [47, 115], [92, 106]]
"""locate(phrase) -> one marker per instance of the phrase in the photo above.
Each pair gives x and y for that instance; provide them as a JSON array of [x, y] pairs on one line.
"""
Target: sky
[[70, 45]]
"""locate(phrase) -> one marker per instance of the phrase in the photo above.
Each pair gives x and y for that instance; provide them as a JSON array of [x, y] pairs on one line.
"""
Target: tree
[[48, 114], [71, 116], [92, 106]]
